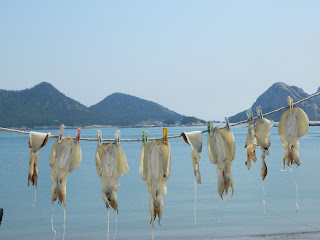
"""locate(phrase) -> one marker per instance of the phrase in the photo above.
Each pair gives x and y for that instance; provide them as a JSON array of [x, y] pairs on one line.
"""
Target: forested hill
[[44, 105], [276, 97], [132, 110]]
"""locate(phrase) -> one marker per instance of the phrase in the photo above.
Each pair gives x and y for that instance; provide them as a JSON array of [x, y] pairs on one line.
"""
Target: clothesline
[[169, 137]]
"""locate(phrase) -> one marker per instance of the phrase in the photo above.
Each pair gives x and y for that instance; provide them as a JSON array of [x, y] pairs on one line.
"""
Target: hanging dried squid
[[194, 139], [111, 163], [293, 124], [251, 141], [262, 132], [221, 149], [155, 166], [65, 158], [36, 141]]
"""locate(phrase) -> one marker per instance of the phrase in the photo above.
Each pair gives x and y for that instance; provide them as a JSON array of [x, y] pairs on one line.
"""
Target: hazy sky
[[208, 59]]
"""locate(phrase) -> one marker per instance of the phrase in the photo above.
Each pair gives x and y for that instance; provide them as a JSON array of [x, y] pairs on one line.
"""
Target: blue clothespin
[[117, 134], [144, 136], [210, 128], [227, 122]]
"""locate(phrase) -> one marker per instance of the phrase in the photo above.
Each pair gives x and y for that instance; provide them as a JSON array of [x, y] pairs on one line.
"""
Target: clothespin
[[290, 102], [259, 112], [227, 122], [78, 134], [210, 128], [117, 137], [99, 136], [61, 133], [144, 136], [250, 115], [165, 135]]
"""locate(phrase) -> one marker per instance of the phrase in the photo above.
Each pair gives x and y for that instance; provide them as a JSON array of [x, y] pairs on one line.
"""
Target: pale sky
[[208, 59]]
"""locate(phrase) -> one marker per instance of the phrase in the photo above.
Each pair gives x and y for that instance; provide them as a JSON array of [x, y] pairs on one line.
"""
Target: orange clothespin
[[165, 135], [78, 134], [61, 133]]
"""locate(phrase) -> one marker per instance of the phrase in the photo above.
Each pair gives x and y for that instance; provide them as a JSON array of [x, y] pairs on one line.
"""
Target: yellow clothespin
[[144, 136], [290, 102], [78, 134], [165, 135], [61, 133], [117, 133], [99, 136]]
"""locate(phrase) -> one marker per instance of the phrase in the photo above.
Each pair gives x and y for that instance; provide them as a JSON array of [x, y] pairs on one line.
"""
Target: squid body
[[65, 158], [155, 166], [194, 139], [294, 124], [111, 163], [36, 141], [222, 148], [262, 132], [251, 144]]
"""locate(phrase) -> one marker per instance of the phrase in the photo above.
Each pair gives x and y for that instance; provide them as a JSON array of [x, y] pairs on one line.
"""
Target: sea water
[[239, 217]]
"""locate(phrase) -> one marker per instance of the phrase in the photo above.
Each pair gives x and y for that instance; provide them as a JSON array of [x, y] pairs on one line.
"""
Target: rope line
[[169, 137]]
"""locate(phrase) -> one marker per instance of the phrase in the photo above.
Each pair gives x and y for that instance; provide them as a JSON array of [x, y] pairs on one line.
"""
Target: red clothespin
[[78, 134]]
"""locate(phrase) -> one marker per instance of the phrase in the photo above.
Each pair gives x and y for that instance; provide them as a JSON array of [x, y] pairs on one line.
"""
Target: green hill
[[130, 110], [43, 105], [276, 97]]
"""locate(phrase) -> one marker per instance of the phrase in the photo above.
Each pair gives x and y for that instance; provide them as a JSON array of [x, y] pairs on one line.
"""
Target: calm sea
[[240, 217]]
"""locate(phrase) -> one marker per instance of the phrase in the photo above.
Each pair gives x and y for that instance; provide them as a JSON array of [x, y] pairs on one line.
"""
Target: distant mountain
[[43, 105], [276, 97], [130, 110]]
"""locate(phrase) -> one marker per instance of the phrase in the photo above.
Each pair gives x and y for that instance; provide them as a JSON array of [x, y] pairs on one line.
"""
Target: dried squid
[[36, 141], [222, 148], [251, 141], [262, 132], [111, 163], [65, 158], [194, 139], [155, 166], [294, 124]]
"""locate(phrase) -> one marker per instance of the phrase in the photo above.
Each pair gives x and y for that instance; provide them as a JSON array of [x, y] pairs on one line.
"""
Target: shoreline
[[311, 123]]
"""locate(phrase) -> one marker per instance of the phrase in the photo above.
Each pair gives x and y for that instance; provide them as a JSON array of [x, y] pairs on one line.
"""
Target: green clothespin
[[210, 128], [144, 136]]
